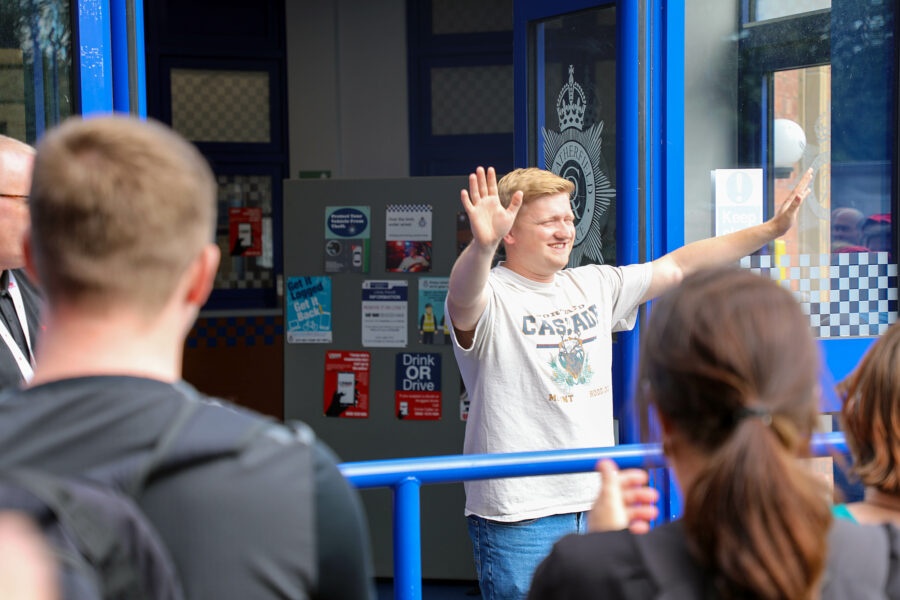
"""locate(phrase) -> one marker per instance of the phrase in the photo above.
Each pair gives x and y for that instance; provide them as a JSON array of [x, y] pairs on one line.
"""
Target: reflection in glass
[[35, 66], [753, 101]]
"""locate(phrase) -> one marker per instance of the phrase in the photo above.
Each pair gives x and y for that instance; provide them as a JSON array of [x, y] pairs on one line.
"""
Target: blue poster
[[309, 310], [417, 395], [347, 233], [433, 327]]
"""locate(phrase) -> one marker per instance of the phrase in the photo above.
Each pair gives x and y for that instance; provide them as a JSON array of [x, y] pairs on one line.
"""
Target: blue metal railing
[[406, 475]]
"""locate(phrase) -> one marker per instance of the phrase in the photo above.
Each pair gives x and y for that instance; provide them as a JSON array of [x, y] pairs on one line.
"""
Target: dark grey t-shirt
[[266, 524]]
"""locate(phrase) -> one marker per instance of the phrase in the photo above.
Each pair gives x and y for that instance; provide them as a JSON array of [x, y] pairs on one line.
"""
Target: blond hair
[[533, 183], [119, 208]]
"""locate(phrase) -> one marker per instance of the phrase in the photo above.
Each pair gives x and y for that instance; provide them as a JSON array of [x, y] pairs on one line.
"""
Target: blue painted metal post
[[95, 74], [628, 186], [128, 65], [407, 541], [118, 21]]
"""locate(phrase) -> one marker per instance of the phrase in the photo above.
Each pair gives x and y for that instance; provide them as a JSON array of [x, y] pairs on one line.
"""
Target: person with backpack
[[730, 367], [122, 242]]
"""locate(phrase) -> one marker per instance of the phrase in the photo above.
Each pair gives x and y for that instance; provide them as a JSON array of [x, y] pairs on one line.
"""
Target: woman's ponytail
[[757, 519]]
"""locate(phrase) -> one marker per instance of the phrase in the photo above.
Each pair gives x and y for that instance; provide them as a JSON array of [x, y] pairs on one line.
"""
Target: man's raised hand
[[488, 218]]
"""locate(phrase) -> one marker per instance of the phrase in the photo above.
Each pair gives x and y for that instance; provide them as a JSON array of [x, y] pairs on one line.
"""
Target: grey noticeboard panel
[[446, 550]]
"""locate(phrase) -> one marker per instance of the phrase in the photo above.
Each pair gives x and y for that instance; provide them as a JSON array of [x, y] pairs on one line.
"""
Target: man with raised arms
[[533, 341]]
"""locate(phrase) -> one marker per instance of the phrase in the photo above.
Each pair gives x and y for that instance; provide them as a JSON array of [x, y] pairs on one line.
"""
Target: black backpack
[[106, 548]]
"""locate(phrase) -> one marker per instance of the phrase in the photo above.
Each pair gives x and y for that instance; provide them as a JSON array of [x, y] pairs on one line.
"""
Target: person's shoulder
[[598, 556], [863, 560], [607, 563]]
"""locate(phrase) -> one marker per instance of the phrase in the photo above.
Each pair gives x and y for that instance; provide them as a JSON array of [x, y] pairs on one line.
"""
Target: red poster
[[245, 231], [347, 384]]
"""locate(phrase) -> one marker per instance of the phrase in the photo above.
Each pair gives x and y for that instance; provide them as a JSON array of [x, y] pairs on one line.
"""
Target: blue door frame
[[650, 143], [110, 67]]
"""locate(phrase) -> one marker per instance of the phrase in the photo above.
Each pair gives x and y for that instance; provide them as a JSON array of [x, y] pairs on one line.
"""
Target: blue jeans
[[506, 554]]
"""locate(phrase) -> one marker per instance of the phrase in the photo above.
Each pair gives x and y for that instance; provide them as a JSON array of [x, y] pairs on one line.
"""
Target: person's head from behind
[[870, 415], [543, 233], [16, 160], [123, 214], [730, 365]]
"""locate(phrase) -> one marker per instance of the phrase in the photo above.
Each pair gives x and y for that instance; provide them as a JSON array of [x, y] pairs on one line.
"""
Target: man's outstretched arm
[[490, 221], [669, 270]]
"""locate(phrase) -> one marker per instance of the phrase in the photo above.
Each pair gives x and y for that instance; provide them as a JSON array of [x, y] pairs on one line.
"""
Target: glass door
[[576, 65]]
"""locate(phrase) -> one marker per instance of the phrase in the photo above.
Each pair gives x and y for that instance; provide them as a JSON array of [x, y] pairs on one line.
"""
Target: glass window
[[244, 232], [218, 105], [773, 9], [572, 104], [775, 99], [35, 67]]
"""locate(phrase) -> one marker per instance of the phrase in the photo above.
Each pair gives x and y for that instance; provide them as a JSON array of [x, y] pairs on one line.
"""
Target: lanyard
[[26, 365]]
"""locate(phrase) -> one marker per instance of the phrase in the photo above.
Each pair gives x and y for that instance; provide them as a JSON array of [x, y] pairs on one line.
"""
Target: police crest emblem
[[574, 154]]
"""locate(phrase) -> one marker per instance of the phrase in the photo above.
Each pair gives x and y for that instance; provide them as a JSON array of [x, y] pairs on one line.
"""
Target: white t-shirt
[[539, 377]]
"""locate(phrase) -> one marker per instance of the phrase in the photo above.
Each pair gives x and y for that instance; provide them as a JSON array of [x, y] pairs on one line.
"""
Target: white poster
[[385, 307], [738, 198]]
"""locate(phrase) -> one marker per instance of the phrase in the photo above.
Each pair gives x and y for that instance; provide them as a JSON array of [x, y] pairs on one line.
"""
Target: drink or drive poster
[[417, 394], [346, 385]]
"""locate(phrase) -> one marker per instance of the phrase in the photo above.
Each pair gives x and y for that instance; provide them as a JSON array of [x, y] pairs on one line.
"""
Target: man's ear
[[28, 252], [203, 273]]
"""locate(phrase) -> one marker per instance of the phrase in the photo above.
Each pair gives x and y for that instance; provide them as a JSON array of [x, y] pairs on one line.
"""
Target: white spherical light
[[789, 142]]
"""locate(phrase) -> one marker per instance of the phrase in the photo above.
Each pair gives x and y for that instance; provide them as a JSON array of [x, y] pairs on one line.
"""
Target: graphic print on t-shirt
[[569, 329]]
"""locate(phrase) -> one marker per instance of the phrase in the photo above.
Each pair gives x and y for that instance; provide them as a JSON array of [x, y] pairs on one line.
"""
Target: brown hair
[[533, 183], [119, 208], [728, 359], [870, 415]]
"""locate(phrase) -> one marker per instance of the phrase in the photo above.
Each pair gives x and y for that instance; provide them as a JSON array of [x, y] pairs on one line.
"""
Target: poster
[[346, 385], [347, 239], [385, 307], [432, 325], [308, 310], [738, 199], [408, 238], [245, 231], [418, 389]]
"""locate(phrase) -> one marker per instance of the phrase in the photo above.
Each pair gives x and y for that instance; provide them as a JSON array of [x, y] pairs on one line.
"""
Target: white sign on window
[[738, 199]]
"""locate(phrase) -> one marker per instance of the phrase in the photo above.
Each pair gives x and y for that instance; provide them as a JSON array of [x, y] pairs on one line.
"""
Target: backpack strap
[[173, 430]]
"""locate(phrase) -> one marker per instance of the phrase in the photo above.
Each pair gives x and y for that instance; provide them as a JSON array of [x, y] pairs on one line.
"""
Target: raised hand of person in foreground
[[625, 500]]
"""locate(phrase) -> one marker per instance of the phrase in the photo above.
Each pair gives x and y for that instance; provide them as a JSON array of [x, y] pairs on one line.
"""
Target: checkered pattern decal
[[845, 295], [221, 106], [231, 332], [249, 272], [472, 100]]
